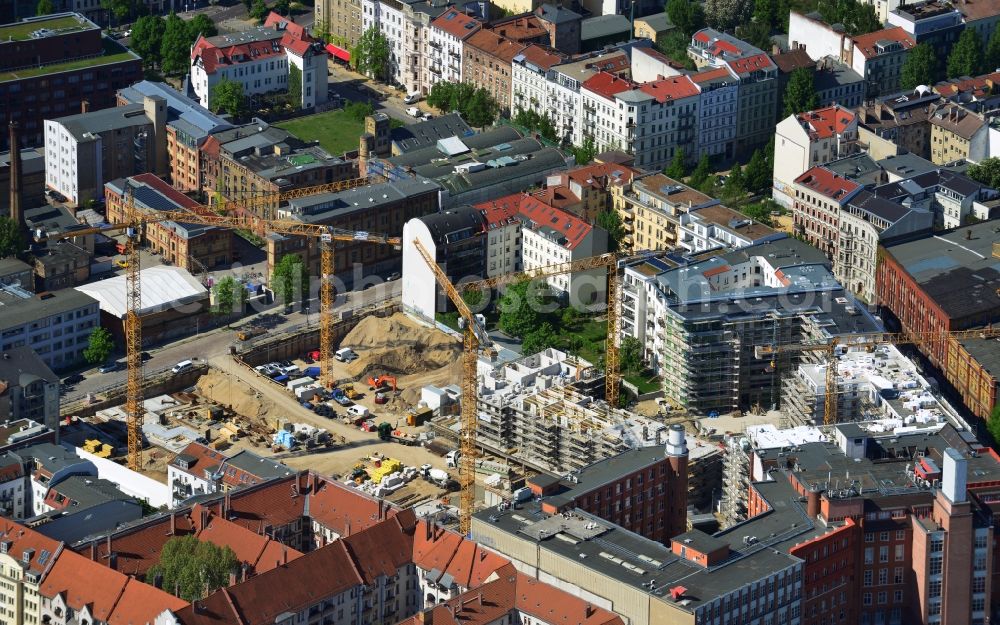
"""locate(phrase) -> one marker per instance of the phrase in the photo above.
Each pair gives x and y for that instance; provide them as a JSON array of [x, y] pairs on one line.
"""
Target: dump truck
[[245, 334], [350, 392]]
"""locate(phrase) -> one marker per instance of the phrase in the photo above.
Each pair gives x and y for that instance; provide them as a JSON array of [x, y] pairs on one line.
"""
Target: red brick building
[[941, 283], [486, 63], [643, 490]]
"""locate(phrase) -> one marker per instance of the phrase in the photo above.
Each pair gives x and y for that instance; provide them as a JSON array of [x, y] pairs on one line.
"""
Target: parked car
[[413, 112], [427, 117], [392, 276], [109, 367], [412, 98]]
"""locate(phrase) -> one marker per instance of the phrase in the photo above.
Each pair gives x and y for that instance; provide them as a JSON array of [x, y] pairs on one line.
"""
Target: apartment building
[[902, 119], [193, 247], [717, 227], [958, 134], [866, 222], [84, 151], [260, 59], [819, 197], [529, 80], [878, 57], [939, 283], [445, 39], [200, 470], [551, 236], [457, 241], [586, 191], [936, 23], [699, 322], [188, 126], [341, 20], [56, 324], [31, 390], [71, 63], [487, 59], [808, 140], [32, 179], [651, 208], [718, 111]]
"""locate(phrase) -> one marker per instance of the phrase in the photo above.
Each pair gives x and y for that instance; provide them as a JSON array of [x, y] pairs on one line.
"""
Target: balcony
[[434, 44]]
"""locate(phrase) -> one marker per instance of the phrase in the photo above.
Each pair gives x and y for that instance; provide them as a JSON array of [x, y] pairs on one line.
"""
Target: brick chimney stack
[[84, 106], [16, 212]]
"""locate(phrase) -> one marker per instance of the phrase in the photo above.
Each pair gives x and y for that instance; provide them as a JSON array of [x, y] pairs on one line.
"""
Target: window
[[897, 575], [868, 578], [900, 555], [869, 555], [883, 577], [866, 599], [883, 553]]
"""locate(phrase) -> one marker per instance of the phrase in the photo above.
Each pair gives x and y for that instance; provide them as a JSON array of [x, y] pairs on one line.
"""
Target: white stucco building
[[807, 140], [444, 45]]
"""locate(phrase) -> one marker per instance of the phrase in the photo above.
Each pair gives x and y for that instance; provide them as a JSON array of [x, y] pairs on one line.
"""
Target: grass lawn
[[449, 319], [113, 53], [20, 32], [584, 338], [336, 131], [646, 382]]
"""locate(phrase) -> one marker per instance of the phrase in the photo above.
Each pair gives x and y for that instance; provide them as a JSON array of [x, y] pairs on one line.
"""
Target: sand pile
[[227, 390], [415, 354]]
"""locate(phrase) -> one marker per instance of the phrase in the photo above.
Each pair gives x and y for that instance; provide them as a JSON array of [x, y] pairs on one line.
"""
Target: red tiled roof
[[259, 551], [556, 607], [490, 43], [541, 215], [607, 85], [138, 549], [383, 548], [752, 63], [674, 88], [523, 29], [141, 603], [344, 510], [827, 183], [866, 43], [84, 583], [600, 175], [541, 57], [826, 122], [276, 504], [659, 56], [496, 214], [978, 87], [456, 23], [22, 538], [278, 22], [613, 63], [212, 56], [711, 74], [205, 458], [557, 195]]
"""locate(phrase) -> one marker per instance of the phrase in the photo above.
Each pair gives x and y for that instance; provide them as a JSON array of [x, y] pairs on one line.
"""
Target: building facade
[[57, 325], [819, 197], [445, 37], [808, 140], [31, 390]]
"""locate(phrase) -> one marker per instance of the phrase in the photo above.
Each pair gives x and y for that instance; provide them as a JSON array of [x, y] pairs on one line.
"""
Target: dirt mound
[[227, 390], [398, 345]]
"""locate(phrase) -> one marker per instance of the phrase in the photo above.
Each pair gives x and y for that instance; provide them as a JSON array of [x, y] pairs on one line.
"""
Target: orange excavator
[[377, 382]]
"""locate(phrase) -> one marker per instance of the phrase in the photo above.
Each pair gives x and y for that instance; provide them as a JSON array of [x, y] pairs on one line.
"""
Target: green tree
[[987, 171], [966, 58], [99, 346], [726, 14], [993, 424], [735, 187], [373, 54], [518, 313], [44, 8], [800, 93], [147, 38], [540, 338], [674, 44], [611, 221], [473, 298], [282, 7], [857, 18], [320, 30], [119, 9], [631, 355], [227, 95], [461, 93], [440, 96], [766, 12], [201, 25], [358, 111], [175, 47], [761, 211], [585, 153], [920, 67], [12, 240], [993, 51], [287, 272], [686, 15], [678, 167], [481, 109], [191, 568], [757, 177], [756, 33], [230, 296], [294, 86], [259, 10], [701, 173]]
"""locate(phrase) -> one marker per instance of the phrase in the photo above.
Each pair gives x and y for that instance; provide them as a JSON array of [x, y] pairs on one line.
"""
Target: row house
[[529, 81], [809, 140], [487, 63], [819, 197], [445, 38], [718, 110]]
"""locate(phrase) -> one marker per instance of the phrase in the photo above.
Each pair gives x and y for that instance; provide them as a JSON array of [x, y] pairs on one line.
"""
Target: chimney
[[227, 504], [284, 554], [954, 476], [16, 212], [173, 524], [85, 106], [93, 550], [113, 561]]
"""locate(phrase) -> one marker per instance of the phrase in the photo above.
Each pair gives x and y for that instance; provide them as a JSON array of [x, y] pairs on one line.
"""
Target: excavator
[[377, 382]]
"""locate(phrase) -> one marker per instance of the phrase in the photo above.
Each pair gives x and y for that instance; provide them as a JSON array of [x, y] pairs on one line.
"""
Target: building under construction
[[532, 410]]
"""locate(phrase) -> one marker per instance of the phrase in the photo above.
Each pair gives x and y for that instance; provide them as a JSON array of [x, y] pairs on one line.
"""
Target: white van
[[412, 98], [414, 112], [182, 366], [345, 354], [358, 411]]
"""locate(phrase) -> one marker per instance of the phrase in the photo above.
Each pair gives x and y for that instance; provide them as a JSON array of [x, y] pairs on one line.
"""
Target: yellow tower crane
[[206, 215], [868, 340], [473, 335]]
